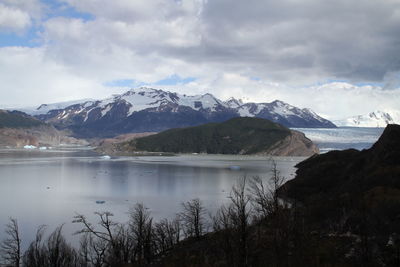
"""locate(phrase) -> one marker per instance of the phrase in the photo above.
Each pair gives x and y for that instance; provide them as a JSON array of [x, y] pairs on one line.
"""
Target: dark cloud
[[355, 40]]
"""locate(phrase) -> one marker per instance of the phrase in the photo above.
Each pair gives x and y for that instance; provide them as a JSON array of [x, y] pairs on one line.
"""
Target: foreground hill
[[151, 110], [235, 136], [351, 186], [18, 129]]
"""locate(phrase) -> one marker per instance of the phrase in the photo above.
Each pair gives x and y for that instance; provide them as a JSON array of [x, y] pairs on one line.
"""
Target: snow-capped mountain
[[146, 109], [373, 119], [44, 108]]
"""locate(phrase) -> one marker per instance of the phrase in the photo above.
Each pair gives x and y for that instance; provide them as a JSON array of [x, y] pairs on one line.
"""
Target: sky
[[339, 58]]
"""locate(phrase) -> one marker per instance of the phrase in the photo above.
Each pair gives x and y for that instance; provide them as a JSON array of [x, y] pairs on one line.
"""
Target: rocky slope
[[152, 110], [335, 183], [18, 129], [235, 136]]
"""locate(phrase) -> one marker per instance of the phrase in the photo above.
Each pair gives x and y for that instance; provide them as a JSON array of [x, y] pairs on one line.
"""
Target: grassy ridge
[[235, 136], [15, 119]]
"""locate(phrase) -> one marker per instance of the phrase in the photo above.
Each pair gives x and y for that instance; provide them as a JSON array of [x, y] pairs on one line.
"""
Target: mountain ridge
[[153, 110]]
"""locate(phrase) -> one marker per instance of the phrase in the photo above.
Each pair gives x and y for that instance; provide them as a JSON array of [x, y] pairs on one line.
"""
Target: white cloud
[[29, 78], [259, 50], [13, 19]]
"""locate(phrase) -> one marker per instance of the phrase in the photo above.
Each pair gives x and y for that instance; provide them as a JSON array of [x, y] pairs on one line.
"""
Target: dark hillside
[[17, 119], [344, 188], [235, 136]]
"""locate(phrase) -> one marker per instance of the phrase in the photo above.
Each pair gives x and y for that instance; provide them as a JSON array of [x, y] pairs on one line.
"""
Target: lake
[[50, 186]]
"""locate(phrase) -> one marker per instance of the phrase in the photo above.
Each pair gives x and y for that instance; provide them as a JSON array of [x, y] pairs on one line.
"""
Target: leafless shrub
[[140, 227], [55, 251], [107, 245], [58, 252], [10, 248], [35, 255], [193, 218], [167, 234]]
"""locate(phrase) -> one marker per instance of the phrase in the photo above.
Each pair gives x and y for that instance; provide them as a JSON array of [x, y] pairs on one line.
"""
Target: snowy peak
[[45, 108], [144, 97], [233, 102], [151, 110], [280, 107], [376, 118]]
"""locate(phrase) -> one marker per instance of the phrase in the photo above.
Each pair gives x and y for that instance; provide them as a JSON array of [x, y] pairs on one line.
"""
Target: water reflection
[[49, 187]]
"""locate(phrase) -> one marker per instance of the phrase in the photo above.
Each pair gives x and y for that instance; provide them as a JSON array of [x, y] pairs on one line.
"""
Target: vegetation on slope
[[235, 136], [340, 181], [16, 119], [255, 229], [336, 218]]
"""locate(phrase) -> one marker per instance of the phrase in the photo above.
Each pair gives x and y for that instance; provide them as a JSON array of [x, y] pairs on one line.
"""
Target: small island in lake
[[242, 136]]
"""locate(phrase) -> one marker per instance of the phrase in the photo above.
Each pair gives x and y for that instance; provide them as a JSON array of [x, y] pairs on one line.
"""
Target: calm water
[[49, 187]]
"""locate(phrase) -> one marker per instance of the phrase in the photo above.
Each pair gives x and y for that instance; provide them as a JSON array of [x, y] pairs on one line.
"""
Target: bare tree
[[264, 196], [54, 252], [105, 243], [140, 225], [167, 234], [240, 215], [276, 182], [222, 222], [35, 255], [261, 197], [84, 250], [92, 251], [59, 253], [193, 218], [105, 223], [11, 247]]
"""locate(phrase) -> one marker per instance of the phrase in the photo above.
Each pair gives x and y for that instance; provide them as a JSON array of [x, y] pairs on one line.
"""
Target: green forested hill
[[16, 119], [235, 136]]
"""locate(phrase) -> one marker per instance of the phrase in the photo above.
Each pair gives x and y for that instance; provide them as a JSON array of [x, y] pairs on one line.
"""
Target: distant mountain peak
[[233, 102], [377, 118], [147, 109]]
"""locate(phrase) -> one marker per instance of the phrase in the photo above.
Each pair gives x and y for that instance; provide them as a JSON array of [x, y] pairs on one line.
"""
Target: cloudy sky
[[339, 57]]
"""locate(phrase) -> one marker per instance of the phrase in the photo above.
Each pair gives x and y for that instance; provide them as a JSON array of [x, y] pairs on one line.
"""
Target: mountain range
[[152, 110], [376, 118]]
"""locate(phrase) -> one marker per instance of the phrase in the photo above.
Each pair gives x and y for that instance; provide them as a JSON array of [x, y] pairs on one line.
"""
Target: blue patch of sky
[[28, 38], [124, 83], [319, 83], [376, 84], [58, 8], [31, 37], [175, 80]]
